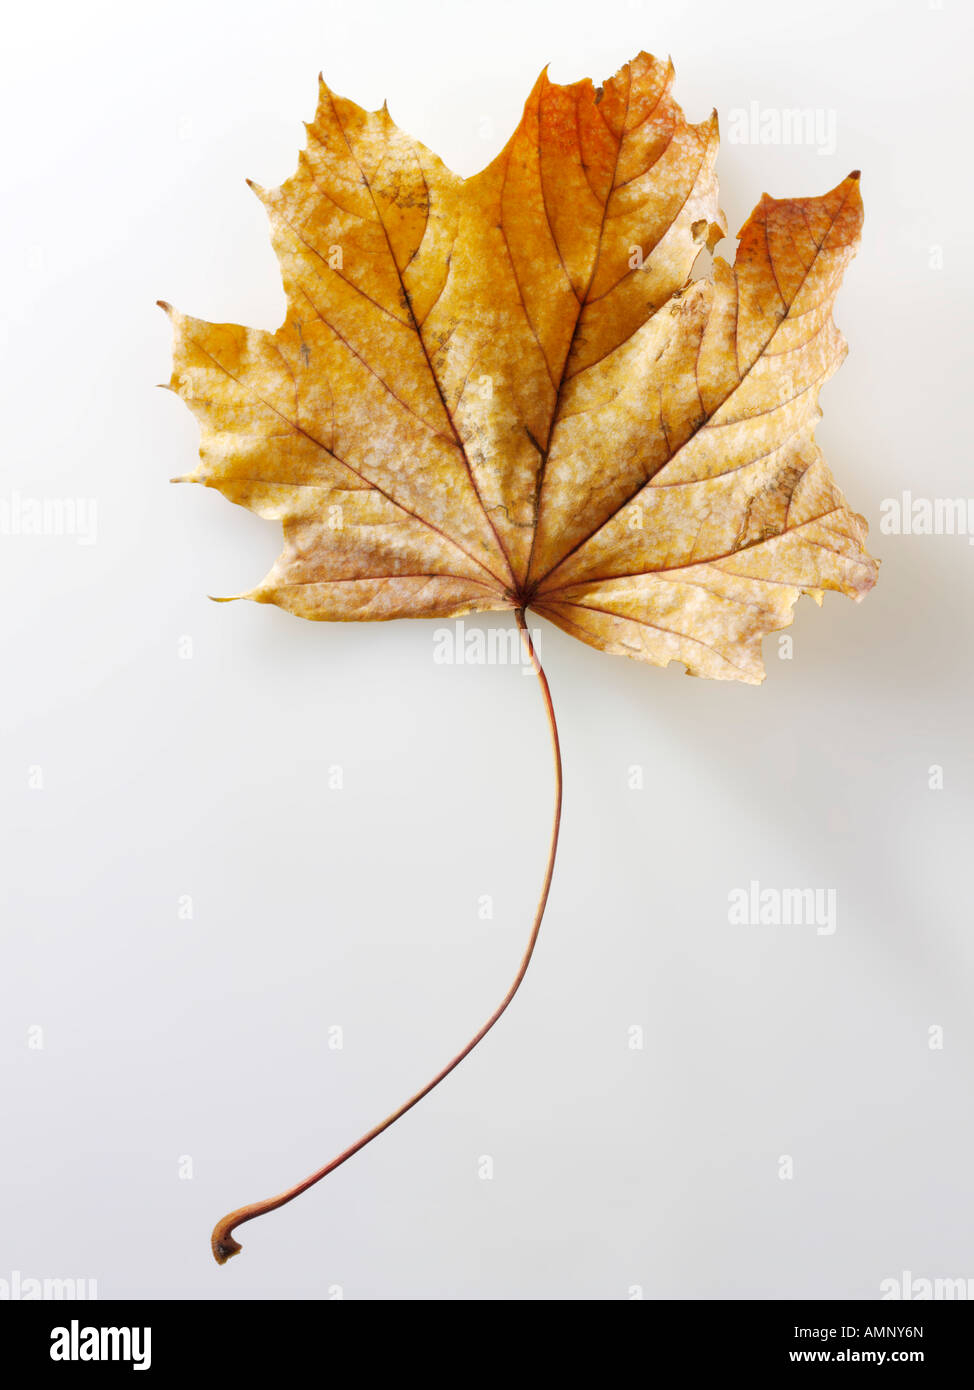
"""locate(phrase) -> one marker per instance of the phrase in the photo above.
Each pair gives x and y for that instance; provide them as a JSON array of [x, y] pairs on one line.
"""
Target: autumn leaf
[[502, 392], [506, 392]]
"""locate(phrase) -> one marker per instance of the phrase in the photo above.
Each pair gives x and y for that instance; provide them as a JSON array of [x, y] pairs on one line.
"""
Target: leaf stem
[[222, 1241]]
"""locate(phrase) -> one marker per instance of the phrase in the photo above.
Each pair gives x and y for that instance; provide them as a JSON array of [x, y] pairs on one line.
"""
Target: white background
[[129, 133]]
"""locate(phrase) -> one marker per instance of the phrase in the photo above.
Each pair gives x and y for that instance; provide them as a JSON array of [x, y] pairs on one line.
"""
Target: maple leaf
[[502, 392], [506, 392]]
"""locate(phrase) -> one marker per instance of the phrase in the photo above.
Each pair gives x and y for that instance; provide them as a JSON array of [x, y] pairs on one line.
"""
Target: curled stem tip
[[222, 1243]]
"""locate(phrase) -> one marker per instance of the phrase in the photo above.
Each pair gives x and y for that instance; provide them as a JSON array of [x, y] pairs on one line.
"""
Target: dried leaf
[[504, 392]]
